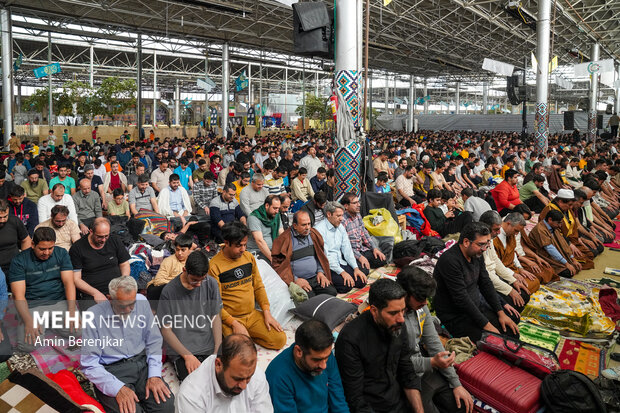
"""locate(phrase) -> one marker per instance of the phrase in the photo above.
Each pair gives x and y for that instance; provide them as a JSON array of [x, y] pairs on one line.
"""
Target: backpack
[[570, 391]]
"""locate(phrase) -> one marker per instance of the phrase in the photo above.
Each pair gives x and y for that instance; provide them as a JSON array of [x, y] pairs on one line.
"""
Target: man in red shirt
[[95, 134], [506, 195]]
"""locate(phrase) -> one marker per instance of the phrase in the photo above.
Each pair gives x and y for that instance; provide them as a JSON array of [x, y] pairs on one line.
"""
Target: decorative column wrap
[[348, 171], [347, 82], [541, 134], [591, 125]]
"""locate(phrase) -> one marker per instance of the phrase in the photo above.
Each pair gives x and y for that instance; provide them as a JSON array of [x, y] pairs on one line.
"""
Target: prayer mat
[[605, 281], [480, 406], [16, 399], [541, 337], [169, 375], [359, 295], [616, 242], [4, 371], [579, 356], [569, 305], [266, 355]]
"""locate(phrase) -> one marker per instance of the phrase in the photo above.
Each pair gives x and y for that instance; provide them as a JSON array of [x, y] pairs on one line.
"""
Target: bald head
[[85, 186]]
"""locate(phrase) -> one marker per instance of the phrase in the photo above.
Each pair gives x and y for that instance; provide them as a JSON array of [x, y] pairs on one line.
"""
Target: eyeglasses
[[483, 245]]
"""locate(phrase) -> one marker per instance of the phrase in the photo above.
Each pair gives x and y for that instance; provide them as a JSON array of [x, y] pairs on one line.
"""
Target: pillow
[[326, 308]]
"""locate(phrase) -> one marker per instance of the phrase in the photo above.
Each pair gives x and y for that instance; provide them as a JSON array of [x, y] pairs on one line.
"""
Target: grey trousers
[[134, 373]]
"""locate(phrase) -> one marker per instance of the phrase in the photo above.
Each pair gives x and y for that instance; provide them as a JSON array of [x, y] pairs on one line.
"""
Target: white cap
[[566, 194]]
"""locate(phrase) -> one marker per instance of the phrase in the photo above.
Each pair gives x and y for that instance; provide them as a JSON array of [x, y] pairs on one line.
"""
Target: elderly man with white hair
[[124, 364]]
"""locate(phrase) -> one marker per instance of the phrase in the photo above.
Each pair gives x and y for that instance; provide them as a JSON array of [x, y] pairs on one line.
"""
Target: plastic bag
[[280, 301], [387, 228]]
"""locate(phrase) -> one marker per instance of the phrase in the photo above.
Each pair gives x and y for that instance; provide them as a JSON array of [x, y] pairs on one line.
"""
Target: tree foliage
[[114, 96], [39, 100], [316, 108]]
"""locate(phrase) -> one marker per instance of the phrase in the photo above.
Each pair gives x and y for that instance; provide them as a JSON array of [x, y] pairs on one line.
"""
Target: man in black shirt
[[373, 358], [462, 282], [13, 236], [97, 259]]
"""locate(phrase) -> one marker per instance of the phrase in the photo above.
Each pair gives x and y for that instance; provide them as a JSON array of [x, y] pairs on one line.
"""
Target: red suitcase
[[504, 387]]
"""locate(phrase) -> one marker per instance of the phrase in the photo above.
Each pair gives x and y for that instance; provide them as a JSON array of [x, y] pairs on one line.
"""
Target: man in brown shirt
[[67, 231]]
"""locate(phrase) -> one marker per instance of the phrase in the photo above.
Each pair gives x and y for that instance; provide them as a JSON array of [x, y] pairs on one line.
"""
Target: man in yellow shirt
[[241, 287], [170, 267]]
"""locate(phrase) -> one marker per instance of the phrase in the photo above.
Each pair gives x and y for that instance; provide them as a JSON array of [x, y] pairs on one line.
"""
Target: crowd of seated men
[[274, 198]]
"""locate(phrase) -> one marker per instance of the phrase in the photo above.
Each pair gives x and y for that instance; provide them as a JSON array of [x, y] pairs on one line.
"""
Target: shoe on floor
[[612, 374]]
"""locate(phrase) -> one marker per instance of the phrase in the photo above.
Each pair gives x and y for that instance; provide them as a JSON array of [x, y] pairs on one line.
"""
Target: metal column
[[207, 113], [286, 94], [249, 84], [177, 104], [154, 117], [592, 131], [410, 105], [50, 115], [617, 89], [458, 98], [225, 76], [394, 111], [369, 101], [260, 92], [92, 66], [316, 87], [541, 122], [303, 96], [7, 79], [387, 94], [485, 98], [139, 83], [425, 95]]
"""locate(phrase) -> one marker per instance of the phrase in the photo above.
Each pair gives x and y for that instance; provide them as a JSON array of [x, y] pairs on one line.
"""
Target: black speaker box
[[313, 33], [599, 121], [512, 89], [569, 120]]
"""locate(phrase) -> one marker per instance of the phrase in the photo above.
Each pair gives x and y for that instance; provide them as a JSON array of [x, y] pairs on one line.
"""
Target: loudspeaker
[[512, 89], [313, 33], [609, 110], [569, 120], [599, 121]]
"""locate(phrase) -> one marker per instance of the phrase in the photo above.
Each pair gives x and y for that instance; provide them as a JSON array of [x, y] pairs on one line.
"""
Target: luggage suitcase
[[503, 386]]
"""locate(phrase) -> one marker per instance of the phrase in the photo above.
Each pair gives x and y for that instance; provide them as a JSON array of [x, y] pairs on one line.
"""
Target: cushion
[[326, 308]]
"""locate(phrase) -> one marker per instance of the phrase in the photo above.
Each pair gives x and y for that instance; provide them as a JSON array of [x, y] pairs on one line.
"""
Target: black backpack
[[570, 391]]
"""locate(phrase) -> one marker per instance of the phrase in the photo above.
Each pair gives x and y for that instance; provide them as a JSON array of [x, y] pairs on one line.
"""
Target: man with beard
[[64, 179], [13, 236], [441, 389], [462, 282], [375, 339], [34, 186], [97, 259], [5, 186], [299, 376], [265, 226], [67, 231], [227, 382], [23, 208], [126, 372]]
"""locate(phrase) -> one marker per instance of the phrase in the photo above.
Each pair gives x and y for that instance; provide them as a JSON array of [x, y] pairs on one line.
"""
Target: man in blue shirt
[[41, 279], [345, 270], [121, 353], [304, 377]]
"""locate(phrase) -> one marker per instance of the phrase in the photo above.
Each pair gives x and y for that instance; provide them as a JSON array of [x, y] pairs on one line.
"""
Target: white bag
[[280, 301]]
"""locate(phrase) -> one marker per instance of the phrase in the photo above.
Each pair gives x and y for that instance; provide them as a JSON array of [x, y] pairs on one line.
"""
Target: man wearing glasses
[[462, 282], [97, 259]]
